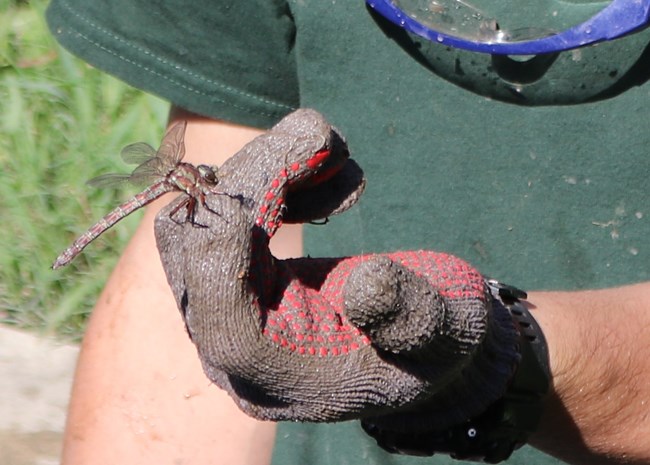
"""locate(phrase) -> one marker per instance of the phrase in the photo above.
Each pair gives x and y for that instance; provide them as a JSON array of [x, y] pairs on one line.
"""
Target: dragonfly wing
[[142, 175], [149, 171], [138, 153], [141, 153], [152, 164], [172, 147], [111, 179]]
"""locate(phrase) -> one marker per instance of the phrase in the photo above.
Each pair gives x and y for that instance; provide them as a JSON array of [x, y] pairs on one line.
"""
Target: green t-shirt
[[534, 172]]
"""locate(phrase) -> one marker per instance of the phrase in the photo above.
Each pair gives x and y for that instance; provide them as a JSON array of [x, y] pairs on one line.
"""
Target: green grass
[[61, 123]]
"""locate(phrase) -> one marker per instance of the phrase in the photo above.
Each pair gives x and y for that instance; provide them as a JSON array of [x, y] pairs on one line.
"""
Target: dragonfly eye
[[208, 173]]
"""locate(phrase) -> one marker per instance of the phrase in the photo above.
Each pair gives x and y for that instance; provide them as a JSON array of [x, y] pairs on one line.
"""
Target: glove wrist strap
[[506, 425]]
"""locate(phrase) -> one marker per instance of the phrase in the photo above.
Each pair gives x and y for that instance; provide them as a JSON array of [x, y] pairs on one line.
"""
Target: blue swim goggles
[[458, 24]]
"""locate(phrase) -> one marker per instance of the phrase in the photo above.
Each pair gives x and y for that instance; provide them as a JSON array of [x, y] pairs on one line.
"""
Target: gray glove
[[407, 341]]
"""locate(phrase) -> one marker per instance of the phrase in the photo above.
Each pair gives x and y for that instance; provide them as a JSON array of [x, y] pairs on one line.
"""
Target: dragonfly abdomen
[[139, 200]]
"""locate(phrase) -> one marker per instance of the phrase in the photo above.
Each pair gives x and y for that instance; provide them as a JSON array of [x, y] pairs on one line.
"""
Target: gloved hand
[[406, 341]]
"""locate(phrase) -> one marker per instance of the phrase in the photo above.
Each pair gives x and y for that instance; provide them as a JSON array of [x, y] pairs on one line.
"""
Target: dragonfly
[[163, 171]]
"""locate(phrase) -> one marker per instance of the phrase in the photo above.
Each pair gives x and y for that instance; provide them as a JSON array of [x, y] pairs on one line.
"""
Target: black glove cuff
[[506, 425]]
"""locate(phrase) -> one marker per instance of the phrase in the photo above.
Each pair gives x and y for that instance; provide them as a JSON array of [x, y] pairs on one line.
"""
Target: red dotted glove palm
[[404, 341]]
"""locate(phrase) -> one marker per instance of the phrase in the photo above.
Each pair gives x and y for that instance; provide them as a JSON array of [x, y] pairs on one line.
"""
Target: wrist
[[557, 313], [595, 412]]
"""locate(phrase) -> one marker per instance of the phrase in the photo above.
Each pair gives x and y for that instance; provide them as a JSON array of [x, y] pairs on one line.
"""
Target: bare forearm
[[598, 410], [140, 394]]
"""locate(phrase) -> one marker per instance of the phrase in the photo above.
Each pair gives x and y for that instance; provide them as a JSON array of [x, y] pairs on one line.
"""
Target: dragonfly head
[[208, 174]]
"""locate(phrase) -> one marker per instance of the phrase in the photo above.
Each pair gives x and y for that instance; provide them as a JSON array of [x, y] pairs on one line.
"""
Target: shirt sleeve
[[228, 59]]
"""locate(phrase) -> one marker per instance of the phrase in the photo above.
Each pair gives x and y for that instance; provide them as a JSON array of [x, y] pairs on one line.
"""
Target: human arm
[[599, 405], [555, 319], [201, 305], [140, 395]]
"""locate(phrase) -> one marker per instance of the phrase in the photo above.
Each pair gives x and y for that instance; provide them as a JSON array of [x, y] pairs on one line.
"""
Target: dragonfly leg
[[172, 214], [189, 203], [248, 203]]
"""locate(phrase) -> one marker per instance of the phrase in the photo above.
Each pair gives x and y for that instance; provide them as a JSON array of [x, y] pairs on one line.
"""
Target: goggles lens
[[500, 27]]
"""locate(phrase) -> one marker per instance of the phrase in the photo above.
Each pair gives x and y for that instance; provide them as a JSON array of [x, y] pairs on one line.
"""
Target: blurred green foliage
[[62, 122]]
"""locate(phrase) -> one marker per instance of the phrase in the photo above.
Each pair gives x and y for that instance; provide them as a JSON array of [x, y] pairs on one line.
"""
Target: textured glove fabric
[[406, 340]]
